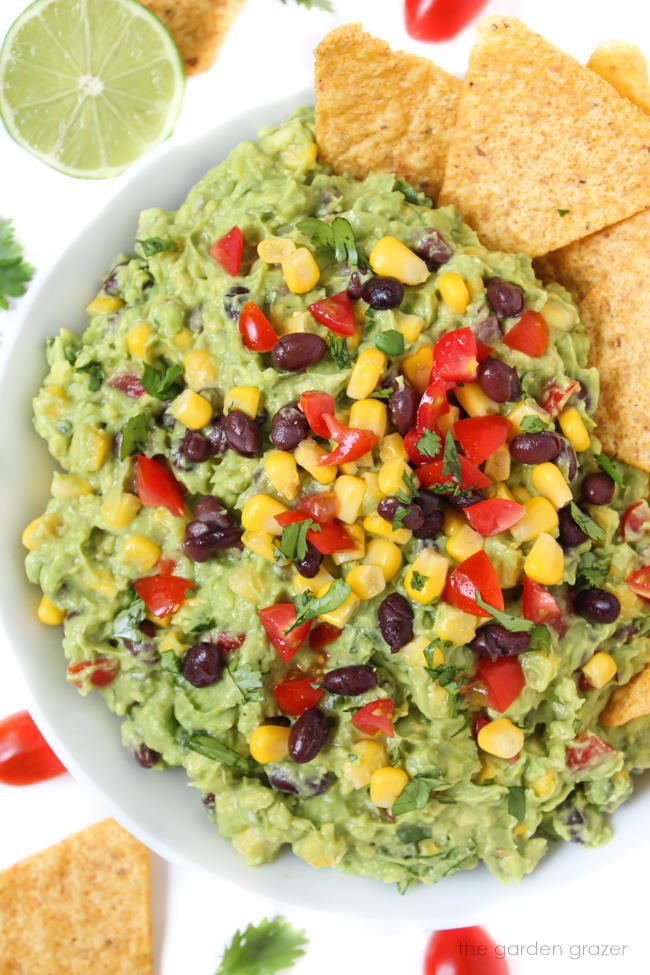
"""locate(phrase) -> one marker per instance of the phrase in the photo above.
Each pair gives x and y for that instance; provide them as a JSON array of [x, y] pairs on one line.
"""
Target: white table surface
[[195, 916]]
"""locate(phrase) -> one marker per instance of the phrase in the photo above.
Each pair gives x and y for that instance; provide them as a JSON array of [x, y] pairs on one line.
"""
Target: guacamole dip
[[333, 531]]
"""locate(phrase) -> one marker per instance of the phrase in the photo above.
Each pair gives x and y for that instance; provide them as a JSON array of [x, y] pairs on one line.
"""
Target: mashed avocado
[[489, 742]]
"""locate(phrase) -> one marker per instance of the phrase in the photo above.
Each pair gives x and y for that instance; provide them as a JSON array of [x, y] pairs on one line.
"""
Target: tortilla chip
[[616, 316], [625, 67], [199, 27], [544, 151], [628, 702], [382, 111], [78, 907]]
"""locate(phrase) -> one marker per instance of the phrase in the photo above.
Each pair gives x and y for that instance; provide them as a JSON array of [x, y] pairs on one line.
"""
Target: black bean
[[413, 518], [111, 286], [298, 351], [351, 680], [494, 641], [433, 515], [566, 460], [289, 427], [216, 434], [597, 488], [203, 664], [146, 627], [355, 286], [146, 757], [278, 719], [498, 380], [309, 566], [201, 541], [308, 735], [506, 299], [570, 534], [280, 780], [584, 395], [382, 292], [316, 787], [234, 301], [242, 434], [208, 800], [463, 501], [395, 618], [212, 511], [535, 448], [597, 606], [195, 447], [433, 248], [403, 405]]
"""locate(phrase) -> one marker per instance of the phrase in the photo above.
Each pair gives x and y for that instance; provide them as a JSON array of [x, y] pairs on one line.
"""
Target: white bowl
[[159, 808]]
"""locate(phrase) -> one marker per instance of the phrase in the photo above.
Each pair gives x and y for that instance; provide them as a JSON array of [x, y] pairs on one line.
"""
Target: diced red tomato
[[156, 486], [127, 383], [228, 250], [454, 356], [479, 722], [276, 621], [538, 605], [556, 394], [635, 522], [464, 951], [475, 573], [433, 404], [471, 476], [25, 756], [483, 351], [98, 673], [162, 595], [434, 21], [410, 444], [166, 566], [586, 752], [375, 716], [639, 582], [258, 335], [322, 634], [315, 405], [335, 313], [529, 335], [350, 442], [503, 679], [295, 696], [332, 536], [480, 436], [494, 515], [321, 506], [229, 642]]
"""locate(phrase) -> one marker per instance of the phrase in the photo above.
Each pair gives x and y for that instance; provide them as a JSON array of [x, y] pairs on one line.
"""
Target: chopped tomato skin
[[471, 476], [475, 573], [350, 442], [529, 335], [322, 634], [315, 405], [635, 521], [162, 595], [503, 679], [296, 695], [321, 506], [228, 250], [494, 515], [455, 356], [375, 716], [586, 752], [538, 605], [639, 582], [332, 536], [276, 621], [335, 313], [127, 383], [480, 436], [258, 335], [157, 487], [433, 404], [100, 672], [25, 756], [556, 394]]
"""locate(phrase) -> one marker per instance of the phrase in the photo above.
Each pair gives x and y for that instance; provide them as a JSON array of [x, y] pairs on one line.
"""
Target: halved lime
[[89, 85]]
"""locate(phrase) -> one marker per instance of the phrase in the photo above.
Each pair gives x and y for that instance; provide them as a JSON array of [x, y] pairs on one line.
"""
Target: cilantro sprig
[[429, 443], [155, 245], [95, 372], [210, 747], [293, 542], [606, 464], [586, 524], [416, 794], [514, 624], [134, 434], [448, 676], [533, 424], [339, 351], [266, 948], [161, 383], [308, 607], [593, 568], [411, 195], [334, 240], [15, 273]]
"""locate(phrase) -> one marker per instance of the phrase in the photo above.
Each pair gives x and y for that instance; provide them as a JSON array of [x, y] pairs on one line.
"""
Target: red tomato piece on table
[[503, 680], [639, 582], [433, 404], [322, 634], [258, 335], [350, 442], [162, 595], [98, 673], [635, 521], [276, 621], [529, 335], [494, 515], [454, 356], [475, 573], [538, 605], [157, 487], [471, 476], [335, 313], [228, 250], [315, 405], [463, 951], [480, 436], [296, 695], [375, 716], [25, 756], [586, 752]]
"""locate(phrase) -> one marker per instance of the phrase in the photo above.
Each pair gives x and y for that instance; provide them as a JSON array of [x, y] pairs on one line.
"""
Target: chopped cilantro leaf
[[95, 372], [593, 569], [125, 623], [606, 464], [533, 424], [385, 393], [411, 195], [412, 833], [586, 524], [209, 747], [163, 384], [416, 794], [391, 342], [335, 240], [339, 351], [517, 802], [293, 543], [248, 682], [15, 273], [447, 676], [513, 623], [429, 443], [541, 639], [134, 434], [418, 581], [410, 490], [266, 948], [450, 459], [308, 607], [154, 245]]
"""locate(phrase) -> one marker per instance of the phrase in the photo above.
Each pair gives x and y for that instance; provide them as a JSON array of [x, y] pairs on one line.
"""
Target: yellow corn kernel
[[373, 495], [138, 339], [463, 543], [392, 447], [89, 446], [140, 552], [340, 616], [366, 374], [99, 306], [550, 482], [354, 340], [386, 555], [298, 321], [244, 398], [200, 369], [369, 414], [269, 743], [366, 581], [191, 409], [274, 250], [497, 466], [320, 581], [356, 553], [540, 517], [349, 491], [172, 641], [600, 669], [527, 407], [374, 524], [447, 420], [391, 257], [69, 486], [48, 613], [245, 582], [307, 454], [386, 784], [262, 544], [282, 471], [574, 429], [520, 494], [369, 757], [301, 272], [183, 339], [453, 521], [102, 582], [544, 785], [498, 490], [391, 476], [411, 326], [474, 401], [489, 770], [453, 291], [413, 653], [119, 509], [454, 625], [417, 368], [475, 285], [259, 514], [545, 561], [433, 567], [501, 738]]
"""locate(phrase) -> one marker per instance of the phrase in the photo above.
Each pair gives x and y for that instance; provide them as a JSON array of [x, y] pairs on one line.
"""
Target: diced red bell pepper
[[156, 486], [296, 695], [255, 329], [127, 383], [586, 752], [315, 405], [350, 443], [276, 621], [322, 634], [25, 756], [471, 476], [635, 522], [538, 605], [475, 573], [556, 394], [332, 536], [455, 356], [162, 595], [99, 672], [228, 250], [335, 313], [480, 436], [529, 335], [503, 679], [433, 404], [494, 516], [321, 506], [639, 582], [375, 716]]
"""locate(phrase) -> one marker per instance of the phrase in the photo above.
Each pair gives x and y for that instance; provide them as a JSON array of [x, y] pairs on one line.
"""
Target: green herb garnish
[[293, 542], [418, 581], [15, 273], [95, 372], [450, 460], [339, 351], [410, 489], [563, 213], [209, 747], [533, 424], [264, 949], [517, 802], [429, 443], [541, 639], [411, 195], [335, 240], [318, 4], [134, 434], [412, 833], [308, 607], [154, 245], [593, 569], [161, 383], [385, 393], [447, 676], [125, 624], [606, 464], [514, 624], [416, 794], [391, 342], [586, 524], [248, 682]]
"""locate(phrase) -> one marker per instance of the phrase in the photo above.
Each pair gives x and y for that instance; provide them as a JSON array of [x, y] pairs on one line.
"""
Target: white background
[[267, 55]]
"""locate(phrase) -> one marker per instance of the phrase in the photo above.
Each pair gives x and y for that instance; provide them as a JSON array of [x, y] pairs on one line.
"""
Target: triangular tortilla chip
[[625, 67], [382, 111], [79, 907], [544, 151], [616, 316], [199, 27], [628, 702]]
